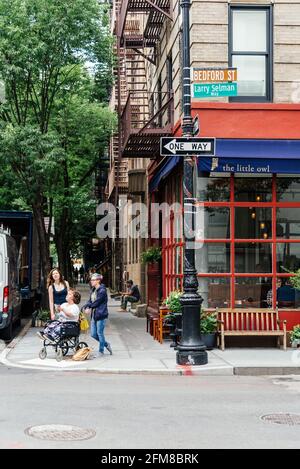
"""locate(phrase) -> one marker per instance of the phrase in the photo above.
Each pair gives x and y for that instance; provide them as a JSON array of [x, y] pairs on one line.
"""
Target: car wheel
[[43, 353], [7, 333]]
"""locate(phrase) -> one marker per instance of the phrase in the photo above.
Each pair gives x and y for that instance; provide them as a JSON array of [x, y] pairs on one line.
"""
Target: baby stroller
[[68, 338]]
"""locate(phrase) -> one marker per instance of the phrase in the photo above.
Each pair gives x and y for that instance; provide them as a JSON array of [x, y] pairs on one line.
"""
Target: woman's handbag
[[84, 323]]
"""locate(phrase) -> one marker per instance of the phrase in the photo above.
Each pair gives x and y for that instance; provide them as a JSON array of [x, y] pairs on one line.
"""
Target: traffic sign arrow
[[187, 146]]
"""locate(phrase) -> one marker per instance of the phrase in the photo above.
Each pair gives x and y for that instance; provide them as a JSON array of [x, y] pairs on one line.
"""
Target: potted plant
[[152, 254], [295, 336], [173, 319], [208, 328], [42, 317]]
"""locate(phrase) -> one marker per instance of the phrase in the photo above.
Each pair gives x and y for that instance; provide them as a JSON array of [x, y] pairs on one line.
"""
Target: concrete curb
[[266, 370], [179, 371]]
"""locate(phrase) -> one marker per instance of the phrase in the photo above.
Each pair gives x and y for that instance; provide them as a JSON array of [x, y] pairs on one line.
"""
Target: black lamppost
[[191, 349]]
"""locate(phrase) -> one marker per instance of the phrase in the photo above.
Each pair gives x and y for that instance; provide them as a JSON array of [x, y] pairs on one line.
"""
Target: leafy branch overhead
[[56, 67]]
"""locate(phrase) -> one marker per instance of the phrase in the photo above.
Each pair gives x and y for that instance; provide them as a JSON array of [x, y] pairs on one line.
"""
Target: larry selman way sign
[[187, 146]]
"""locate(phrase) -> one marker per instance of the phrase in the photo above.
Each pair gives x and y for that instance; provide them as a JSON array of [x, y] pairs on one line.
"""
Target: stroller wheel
[[43, 353], [81, 345], [65, 348], [59, 355]]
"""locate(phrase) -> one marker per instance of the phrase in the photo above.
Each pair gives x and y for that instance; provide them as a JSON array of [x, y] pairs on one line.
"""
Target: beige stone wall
[[209, 45]]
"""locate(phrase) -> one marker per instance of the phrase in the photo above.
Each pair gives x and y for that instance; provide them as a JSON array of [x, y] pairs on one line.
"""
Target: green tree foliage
[[50, 122]]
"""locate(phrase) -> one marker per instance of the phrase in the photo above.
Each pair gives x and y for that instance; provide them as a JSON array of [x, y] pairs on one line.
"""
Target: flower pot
[[296, 343], [209, 340]]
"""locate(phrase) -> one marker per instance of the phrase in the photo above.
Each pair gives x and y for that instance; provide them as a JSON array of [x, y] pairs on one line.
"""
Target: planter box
[[39, 323]]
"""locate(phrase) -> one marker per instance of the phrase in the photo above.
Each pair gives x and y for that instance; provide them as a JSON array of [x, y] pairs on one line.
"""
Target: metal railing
[[144, 111]]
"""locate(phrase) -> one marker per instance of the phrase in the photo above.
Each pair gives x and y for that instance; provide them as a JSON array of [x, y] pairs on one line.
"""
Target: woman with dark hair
[[57, 290]]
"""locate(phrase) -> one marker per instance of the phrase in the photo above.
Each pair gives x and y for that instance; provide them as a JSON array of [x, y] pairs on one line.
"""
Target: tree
[[41, 44], [84, 128]]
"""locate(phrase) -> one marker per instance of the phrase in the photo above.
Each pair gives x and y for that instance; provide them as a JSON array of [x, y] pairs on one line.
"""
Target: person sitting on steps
[[131, 296]]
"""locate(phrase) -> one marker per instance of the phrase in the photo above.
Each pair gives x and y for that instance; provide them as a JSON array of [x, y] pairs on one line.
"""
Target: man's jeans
[[125, 299], [97, 332]]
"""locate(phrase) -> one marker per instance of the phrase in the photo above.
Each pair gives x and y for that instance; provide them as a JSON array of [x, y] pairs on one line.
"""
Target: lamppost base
[[191, 358]]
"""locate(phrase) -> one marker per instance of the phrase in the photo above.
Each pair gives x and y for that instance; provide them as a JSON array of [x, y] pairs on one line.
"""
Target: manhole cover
[[60, 432], [282, 419]]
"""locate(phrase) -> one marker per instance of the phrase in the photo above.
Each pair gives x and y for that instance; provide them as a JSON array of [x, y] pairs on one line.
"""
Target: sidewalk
[[135, 352]]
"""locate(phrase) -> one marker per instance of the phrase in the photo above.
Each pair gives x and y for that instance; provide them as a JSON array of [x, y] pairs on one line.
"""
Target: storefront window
[[252, 292], [213, 189], [178, 260], [216, 222], [253, 189], [288, 189], [213, 258], [253, 214], [215, 292], [288, 223], [253, 222], [253, 258], [288, 256]]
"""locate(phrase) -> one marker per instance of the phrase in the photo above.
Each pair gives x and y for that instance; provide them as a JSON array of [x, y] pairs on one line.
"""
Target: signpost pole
[[190, 350]]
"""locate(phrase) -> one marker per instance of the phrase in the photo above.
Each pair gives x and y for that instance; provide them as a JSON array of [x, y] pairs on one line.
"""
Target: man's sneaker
[[108, 347], [41, 335]]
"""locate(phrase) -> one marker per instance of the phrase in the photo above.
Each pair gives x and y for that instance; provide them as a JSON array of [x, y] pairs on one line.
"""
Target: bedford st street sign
[[187, 146]]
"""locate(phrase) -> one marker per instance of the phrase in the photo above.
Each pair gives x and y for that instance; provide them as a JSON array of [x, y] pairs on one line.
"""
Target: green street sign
[[214, 90]]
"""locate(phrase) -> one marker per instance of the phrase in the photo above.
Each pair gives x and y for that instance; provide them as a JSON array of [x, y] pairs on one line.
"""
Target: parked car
[[10, 295]]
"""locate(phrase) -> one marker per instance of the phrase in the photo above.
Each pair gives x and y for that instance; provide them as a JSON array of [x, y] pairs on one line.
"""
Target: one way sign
[[187, 146]]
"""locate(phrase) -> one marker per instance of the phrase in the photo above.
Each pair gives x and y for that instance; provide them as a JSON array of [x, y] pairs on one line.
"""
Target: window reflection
[[253, 258], [253, 190], [288, 189], [288, 223], [213, 258], [213, 189], [215, 222], [288, 256], [252, 292], [215, 292], [253, 222]]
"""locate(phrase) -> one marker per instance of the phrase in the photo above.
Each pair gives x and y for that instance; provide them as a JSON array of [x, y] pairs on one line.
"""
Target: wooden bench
[[250, 322]]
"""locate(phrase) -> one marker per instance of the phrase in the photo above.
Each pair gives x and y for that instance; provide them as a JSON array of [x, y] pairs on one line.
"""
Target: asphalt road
[[147, 411]]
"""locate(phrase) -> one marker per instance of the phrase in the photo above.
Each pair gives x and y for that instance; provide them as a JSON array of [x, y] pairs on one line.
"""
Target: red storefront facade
[[251, 231]]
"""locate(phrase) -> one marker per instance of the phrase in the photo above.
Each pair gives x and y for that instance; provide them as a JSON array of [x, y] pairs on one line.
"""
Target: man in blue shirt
[[286, 295]]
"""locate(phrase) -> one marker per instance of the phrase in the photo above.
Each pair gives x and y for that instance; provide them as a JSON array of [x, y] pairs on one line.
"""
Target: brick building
[[250, 192]]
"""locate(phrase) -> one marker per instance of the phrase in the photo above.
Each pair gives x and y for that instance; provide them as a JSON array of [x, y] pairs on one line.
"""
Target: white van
[[10, 296]]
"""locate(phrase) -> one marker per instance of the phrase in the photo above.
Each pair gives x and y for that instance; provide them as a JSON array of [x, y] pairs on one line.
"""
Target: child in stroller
[[63, 332]]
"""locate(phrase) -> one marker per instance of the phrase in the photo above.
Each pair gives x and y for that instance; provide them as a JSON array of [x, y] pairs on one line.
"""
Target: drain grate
[[60, 432], [282, 419]]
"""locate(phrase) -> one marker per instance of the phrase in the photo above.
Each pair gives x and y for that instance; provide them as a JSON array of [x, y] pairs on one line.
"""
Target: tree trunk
[[44, 248], [63, 246]]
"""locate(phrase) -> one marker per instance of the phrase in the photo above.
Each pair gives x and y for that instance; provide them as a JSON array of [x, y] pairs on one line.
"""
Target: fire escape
[[145, 116]]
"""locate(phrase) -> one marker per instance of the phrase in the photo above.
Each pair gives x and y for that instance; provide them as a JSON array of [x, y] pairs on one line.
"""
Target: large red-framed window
[[172, 244], [251, 240]]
